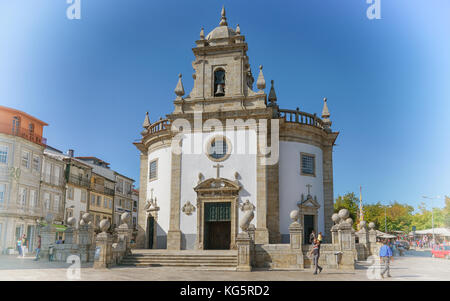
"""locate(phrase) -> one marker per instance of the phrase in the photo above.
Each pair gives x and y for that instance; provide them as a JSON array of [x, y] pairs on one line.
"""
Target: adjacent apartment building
[[21, 154], [102, 186]]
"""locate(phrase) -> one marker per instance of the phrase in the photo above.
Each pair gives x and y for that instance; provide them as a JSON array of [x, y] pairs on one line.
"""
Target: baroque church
[[228, 158]]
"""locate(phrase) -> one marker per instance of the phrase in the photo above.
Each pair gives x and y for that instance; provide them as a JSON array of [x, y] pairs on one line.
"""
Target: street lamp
[[432, 211]]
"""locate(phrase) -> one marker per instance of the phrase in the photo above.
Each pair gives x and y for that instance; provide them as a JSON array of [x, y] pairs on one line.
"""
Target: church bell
[[220, 91]]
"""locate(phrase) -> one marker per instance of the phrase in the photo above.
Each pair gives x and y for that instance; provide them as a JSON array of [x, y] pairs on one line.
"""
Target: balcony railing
[[102, 189], [80, 181], [22, 132], [58, 181], [297, 116], [159, 125]]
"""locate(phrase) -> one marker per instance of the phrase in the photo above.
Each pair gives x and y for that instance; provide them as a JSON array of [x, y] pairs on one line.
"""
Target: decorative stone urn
[[104, 225], [294, 215]]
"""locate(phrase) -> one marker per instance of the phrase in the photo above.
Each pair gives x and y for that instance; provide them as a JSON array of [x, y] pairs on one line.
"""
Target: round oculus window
[[218, 148]]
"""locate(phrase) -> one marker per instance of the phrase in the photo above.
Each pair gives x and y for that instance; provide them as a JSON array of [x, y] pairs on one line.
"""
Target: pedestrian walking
[[385, 258], [38, 249], [19, 246], [316, 255], [24, 245]]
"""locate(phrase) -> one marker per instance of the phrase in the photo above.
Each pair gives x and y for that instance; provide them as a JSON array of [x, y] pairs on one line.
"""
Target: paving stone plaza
[[416, 265]]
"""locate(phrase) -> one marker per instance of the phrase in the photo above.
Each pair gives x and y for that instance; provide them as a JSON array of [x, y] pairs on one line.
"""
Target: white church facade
[[228, 158]]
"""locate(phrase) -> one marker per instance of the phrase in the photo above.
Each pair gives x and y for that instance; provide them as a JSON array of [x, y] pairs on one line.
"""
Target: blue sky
[[387, 81]]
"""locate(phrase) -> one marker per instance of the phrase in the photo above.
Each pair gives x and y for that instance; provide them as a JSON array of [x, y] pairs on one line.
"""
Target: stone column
[[327, 163], [124, 232], [141, 235], [174, 233], [104, 240], [251, 233], [243, 242]]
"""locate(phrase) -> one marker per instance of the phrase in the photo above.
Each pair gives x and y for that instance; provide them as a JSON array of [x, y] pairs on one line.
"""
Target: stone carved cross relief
[[218, 167]]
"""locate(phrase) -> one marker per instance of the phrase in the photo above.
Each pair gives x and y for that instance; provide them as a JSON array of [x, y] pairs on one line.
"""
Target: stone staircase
[[222, 259]]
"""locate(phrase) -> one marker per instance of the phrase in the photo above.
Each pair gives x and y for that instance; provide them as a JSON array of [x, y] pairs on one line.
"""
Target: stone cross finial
[[218, 166], [309, 188], [223, 21], [202, 34]]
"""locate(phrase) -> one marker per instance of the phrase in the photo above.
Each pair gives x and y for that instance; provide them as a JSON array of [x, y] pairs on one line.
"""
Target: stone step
[[175, 264], [148, 258]]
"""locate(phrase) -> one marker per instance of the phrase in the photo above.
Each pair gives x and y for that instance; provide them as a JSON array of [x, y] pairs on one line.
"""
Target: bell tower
[[222, 73]]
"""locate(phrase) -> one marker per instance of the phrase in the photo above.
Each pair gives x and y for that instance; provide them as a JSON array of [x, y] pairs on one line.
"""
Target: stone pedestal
[[69, 235], [251, 233], [373, 236], [104, 245], [296, 243], [174, 240], [243, 243], [261, 236], [345, 237], [296, 236], [125, 233], [335, 236], [48, 236]]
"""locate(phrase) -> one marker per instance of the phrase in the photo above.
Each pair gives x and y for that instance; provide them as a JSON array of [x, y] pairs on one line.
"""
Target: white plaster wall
[[161, 187], [292, 184], [76, 202], [242, 161]]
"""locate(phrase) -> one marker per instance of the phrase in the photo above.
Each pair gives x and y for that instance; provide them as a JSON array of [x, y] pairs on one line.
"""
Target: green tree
[[348, 201]]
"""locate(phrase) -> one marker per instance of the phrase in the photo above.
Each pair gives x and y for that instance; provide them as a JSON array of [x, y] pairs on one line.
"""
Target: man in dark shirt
[[316, 253]]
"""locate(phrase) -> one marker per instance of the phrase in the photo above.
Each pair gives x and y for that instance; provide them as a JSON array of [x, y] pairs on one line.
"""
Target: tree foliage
[[396, 216]]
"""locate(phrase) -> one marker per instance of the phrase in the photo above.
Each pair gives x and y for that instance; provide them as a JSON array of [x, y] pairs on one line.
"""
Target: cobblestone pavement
[[416, 265]]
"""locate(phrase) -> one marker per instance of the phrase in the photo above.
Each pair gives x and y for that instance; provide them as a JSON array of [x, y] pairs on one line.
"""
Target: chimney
[[70, 153]]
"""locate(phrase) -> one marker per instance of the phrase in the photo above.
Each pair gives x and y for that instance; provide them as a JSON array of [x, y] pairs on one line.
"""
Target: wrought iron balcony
[[22, 132], [80, 181]]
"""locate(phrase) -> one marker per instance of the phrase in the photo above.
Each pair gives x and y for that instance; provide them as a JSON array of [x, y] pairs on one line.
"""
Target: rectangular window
[[33, 198], [153, 170], [22, 196], [308, 164], [83, 196], [119, 186], [2, 194], [70, 193], [36, 163], [25, 159], [110, 203], [3, 154], [105, 203], [56, 175], [47, 201], [99, 200], [47, 172], [56, 199]]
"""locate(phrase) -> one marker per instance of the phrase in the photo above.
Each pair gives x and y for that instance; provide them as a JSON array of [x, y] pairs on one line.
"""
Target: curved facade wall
[[292, 184], [161, 190]]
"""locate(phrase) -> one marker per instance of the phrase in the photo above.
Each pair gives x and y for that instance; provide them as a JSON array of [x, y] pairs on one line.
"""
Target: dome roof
[[221, 32]]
